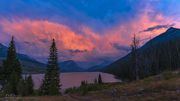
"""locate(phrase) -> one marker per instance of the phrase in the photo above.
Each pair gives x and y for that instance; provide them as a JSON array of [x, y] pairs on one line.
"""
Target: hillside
[[159, 54], [95, 68], [163, 87]]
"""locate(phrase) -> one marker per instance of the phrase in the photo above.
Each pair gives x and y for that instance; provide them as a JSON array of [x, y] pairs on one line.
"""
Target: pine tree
[[51, 82], [95, 81], [12, 84], [30, 85], [99, 79], [25, 86], [22, 87], [11, 69], [1, 75]]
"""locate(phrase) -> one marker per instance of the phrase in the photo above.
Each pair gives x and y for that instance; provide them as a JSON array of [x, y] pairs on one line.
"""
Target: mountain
[[95, 68], [29, 64], [157, 55], [70, 66], [98, 67]]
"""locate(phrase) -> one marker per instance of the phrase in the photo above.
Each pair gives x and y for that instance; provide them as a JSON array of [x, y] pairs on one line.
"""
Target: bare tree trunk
[[134, 47]]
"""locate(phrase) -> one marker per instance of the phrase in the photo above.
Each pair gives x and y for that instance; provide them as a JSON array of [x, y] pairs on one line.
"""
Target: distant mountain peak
[[70, 66], [2, 46], [172, 29]]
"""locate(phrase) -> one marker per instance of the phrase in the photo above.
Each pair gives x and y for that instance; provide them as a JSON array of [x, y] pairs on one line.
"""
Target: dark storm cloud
[[44, 40], [29, 43], [158, 27], [77, 51], [120, 47]]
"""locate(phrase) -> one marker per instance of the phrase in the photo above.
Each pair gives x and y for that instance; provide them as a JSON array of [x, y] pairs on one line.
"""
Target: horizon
[[88, 32]]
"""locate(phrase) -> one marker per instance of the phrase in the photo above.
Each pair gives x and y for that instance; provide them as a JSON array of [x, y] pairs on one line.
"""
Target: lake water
[[74, 79]]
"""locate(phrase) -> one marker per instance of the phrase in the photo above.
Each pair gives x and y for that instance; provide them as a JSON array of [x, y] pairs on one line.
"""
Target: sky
[[90, 32]]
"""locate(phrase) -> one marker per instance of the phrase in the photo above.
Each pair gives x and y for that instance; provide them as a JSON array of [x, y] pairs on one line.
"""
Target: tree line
[[156, 58], [151, 59], [13, 82]]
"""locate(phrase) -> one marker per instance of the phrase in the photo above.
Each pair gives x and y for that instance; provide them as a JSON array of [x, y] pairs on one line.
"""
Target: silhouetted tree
[[100, 79], [51, 82], [25, 86], [1, 75], [22, 88], [134, 56], [11, 69], [30, 85], [95, 81], [84, 83]]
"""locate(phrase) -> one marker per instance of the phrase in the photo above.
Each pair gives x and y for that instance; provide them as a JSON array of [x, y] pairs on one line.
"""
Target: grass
[[40, 98]]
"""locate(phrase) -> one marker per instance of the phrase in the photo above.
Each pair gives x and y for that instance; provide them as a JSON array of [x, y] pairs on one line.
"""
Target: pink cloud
[[92, 44], [35, 30]]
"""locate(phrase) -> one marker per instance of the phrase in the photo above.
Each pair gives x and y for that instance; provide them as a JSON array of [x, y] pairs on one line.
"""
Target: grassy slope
[[164, 87]]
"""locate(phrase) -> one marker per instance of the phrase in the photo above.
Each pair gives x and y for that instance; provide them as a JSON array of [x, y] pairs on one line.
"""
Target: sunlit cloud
[[82, 37]]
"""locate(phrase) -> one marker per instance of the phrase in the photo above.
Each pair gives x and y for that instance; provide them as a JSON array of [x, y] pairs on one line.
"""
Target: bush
[[84, 89], [167, 75], [2, 94], [71, 90]]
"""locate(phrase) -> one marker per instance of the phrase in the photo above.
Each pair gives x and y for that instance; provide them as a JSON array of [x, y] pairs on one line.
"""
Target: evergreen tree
[[30, 85], [84, 83], [11, 69], [51, 82], [11, 85], [22, 88], [25, 86], [95, 81], [1, 75], [99, 79]]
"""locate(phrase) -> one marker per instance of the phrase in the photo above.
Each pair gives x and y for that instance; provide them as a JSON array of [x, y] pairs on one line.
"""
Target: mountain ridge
[[30, 65], [168, 41]]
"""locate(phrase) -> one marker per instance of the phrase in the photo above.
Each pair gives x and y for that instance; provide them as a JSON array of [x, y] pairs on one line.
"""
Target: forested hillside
[[159, 54]]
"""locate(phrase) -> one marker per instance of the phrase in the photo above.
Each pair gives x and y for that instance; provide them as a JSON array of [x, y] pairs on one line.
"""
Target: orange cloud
[[35, 29]]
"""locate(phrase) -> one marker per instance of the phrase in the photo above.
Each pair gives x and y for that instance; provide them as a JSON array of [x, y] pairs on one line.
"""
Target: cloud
[[120, 47], [42, 32], [77, 51], [29, 43], [82, 37], [82, 45], [46, 41], [158, 27]]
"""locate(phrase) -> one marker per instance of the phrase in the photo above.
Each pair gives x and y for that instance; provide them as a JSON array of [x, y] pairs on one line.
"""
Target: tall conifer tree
[[11, 69], [51, 82]]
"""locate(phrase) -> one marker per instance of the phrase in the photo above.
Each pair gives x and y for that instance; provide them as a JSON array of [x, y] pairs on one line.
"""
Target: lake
[[74, 79]]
